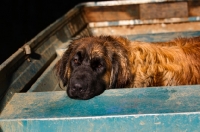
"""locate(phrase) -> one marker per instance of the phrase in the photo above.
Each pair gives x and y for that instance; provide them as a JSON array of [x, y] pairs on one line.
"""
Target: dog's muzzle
[[82, 83]]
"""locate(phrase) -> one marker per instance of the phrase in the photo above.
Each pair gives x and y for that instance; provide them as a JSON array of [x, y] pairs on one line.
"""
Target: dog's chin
[[84, 96], [81, 97]]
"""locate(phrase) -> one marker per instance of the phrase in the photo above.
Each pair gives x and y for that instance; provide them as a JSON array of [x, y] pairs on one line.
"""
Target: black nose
[[77, 87]]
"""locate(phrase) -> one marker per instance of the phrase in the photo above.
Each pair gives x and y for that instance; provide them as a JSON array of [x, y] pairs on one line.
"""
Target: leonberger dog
[[93, 64]]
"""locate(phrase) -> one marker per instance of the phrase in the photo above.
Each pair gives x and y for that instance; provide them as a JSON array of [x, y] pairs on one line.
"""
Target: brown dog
[[92, 64]]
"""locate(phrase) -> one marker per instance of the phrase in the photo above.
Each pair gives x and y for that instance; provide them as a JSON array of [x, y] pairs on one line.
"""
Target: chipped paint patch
[[157, 123], [20, 123], [142, 123]]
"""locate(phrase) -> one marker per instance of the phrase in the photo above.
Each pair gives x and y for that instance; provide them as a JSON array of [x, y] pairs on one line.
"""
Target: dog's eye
[[76, 61], [99, 66]]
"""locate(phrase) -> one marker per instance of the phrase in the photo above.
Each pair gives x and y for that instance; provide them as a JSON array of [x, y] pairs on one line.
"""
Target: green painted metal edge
[[140, 109]]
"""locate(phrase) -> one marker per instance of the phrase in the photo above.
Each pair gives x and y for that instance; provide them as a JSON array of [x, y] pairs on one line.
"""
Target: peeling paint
[[142, 123], [157, 123]]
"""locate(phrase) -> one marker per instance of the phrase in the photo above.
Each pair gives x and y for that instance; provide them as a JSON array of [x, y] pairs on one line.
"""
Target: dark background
[[21, 20]]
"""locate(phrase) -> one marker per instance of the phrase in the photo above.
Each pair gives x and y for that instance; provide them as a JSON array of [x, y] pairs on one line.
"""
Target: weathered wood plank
[[194, 8], [141, 11], [111, 13], [163, 10]]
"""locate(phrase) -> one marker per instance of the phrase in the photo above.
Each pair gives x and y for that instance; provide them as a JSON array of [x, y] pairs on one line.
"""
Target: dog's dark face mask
[[92, 64], [86, 80]]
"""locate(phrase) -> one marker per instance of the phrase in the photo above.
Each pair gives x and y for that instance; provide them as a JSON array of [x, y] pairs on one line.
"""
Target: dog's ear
[[114, 72], [120, 74], [62, 66]]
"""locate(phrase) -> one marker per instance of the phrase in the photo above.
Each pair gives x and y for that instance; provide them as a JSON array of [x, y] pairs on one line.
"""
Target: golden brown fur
[[138, 64], [166, 64]]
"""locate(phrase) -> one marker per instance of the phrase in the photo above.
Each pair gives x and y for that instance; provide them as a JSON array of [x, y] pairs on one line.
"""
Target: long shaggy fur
[[134, 64]]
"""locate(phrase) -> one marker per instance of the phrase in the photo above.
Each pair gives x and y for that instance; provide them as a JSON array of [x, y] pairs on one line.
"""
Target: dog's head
[[92, 64]]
